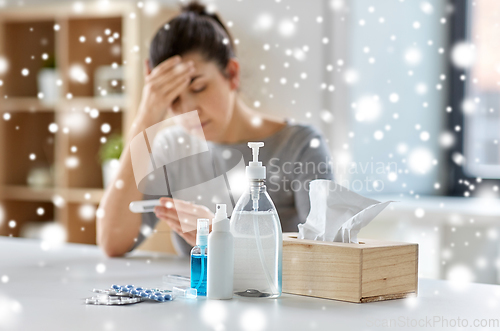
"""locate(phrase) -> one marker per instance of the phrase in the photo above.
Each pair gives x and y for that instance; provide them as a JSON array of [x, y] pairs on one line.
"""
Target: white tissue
[[337, 214]]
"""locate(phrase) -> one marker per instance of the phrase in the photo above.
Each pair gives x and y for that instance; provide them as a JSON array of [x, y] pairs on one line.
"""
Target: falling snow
[[391, 91]]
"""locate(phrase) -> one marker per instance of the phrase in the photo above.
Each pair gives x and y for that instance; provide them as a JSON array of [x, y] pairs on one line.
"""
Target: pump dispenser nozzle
[[220, 210], [255, 169], [220, 221], [255, 151], [202, 233]]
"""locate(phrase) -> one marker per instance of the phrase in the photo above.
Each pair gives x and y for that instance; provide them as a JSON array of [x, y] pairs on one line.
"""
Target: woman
[[192, 66]]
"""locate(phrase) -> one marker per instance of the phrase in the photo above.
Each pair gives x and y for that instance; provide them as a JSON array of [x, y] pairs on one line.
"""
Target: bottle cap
[[255, 169], [220, 211], [220, 221]]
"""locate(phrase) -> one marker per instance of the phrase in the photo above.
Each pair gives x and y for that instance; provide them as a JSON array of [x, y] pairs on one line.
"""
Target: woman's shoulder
[[299, 133], [296, 139]]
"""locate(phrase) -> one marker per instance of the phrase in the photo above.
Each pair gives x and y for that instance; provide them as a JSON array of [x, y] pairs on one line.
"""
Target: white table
[[45, 290]]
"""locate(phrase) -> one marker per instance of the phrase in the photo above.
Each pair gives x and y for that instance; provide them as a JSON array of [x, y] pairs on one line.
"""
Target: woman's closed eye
[[199, 89]]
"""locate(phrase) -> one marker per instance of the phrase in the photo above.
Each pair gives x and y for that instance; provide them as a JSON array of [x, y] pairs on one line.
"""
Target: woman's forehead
[[196, 57], [203, 67], [199, 61]]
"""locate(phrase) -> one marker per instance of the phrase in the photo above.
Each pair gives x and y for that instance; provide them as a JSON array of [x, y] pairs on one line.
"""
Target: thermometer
[[143, 206]]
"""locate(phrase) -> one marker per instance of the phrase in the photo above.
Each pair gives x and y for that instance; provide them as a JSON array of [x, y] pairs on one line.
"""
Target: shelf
[[86, 137], [103, 104], [63, 105], [35, 11], [27, 148], [23, 104], [102, 46], [23, 212], [24, 45], [20, 203], [70, 195], [41, 98]]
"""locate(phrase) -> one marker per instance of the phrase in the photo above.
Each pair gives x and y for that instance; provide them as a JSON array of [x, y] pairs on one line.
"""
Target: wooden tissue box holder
[[372, 270]]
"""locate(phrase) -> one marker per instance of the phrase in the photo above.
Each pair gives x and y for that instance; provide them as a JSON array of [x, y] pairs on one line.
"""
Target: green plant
[[112, 149]]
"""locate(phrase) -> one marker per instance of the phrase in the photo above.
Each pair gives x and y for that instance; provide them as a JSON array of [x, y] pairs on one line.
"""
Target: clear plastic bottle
[[199, 258], [220, 257], [257, 234]]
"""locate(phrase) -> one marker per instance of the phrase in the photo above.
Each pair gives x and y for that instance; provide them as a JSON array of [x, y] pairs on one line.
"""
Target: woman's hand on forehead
[[162, 86]]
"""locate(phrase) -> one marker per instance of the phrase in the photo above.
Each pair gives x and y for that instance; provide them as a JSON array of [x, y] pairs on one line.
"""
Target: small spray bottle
[[199, 258], [220, 257]]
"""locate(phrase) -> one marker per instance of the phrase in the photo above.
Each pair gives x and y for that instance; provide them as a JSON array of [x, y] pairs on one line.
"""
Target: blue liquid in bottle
[[199, 270], [199, 258]]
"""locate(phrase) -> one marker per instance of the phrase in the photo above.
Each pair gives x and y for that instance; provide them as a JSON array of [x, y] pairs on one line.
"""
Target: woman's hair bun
[[195, 7], [196, 28]]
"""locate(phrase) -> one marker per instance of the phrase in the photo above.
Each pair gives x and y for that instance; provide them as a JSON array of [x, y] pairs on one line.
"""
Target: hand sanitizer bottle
[[199, 258], [257, 234], [220, 257]]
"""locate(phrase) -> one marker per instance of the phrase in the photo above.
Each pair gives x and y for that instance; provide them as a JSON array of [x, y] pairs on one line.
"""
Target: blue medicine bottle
[[199, 258]]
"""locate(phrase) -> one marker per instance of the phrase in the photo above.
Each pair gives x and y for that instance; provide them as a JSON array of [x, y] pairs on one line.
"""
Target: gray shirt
[[293, 157]]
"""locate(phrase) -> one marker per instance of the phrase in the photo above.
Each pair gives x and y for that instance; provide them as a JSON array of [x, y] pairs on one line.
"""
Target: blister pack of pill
[[128, 294], [112, 300]]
